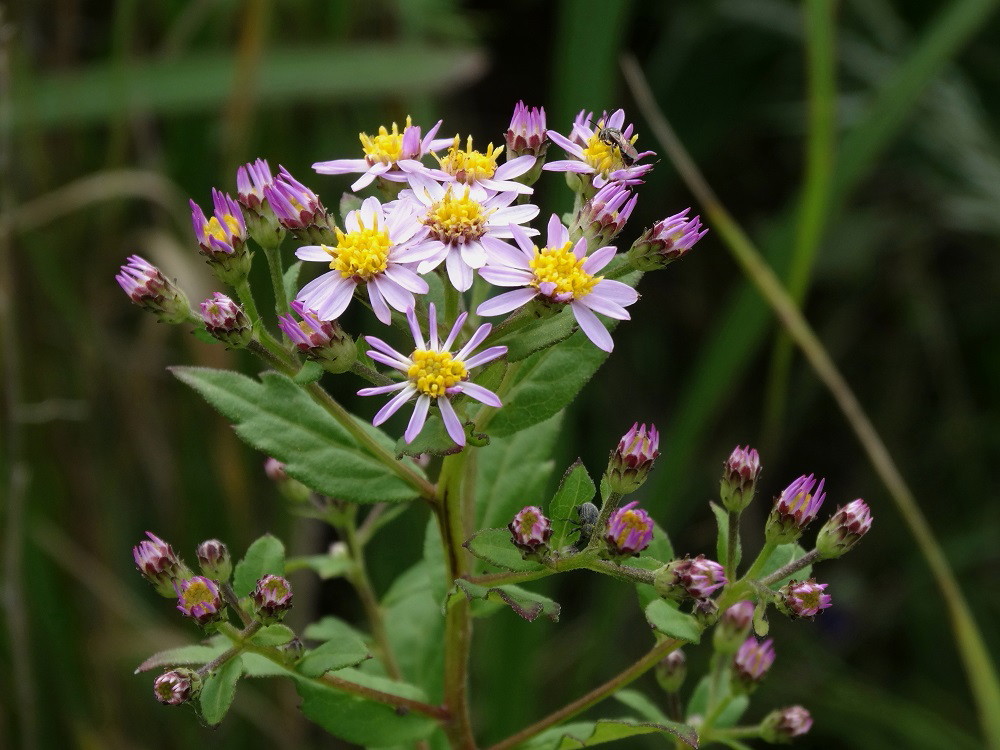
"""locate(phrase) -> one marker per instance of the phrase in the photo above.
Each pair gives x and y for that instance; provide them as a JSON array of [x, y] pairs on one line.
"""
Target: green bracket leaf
[[433, 440], [730, 714], [781, 556], [495, 547], [272, 635], [185, 655], [325, 566], [722, 540], [527, 604], [219, 690], [590, 733], [344, 650], [310, 372], [290, 279], [266, 556], [575, 488], [667, 619]]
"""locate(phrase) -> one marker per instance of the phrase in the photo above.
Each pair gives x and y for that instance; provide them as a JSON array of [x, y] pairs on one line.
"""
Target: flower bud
[[199, 599], [803, 598], [222, 238], [147, 287], [299, 210], [530, 530], [292, 490], [177, 686], [293, 650], [321, 340], [629, 532], [226, 321], [214, 559], [733, 628], [671, 671], [783, 725], [159, 564], [844, 530], [251, 181], [705, 611], [695, 577], [739, 478], [751, 663], [631, 461], [527, 133], [272, 597], [794, 509], [603, 217], [666, 241], [275, 470]]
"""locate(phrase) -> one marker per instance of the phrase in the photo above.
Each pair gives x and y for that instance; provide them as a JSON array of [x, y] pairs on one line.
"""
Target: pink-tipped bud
[[733, 627], [803, 598], [148, 288], [671, 671], [603, 216], [739, 478], [632, 460], [527, 133], [323, 341], [222, 238], [844, 530], [299, 210], [159, 564], [795, 509], [694, 577], [666, 241], [226, 321], [177, 686], [272, 597], [252, 180], [751, 663], [199, 598], [530, 530], [214, 560], [630, 530], [785, 724]]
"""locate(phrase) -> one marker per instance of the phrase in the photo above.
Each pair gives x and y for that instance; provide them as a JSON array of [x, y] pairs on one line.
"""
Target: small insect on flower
[[614, 137]]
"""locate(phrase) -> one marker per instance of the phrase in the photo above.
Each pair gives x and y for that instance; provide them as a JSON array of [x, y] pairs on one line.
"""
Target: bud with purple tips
[[695, 577], [794, 509], [222, 238], [147, 287], [803, 598], [214, 560], [251, 181], [272, 597], [226, 321], [844, 530], [299, 210], [671, 671], [666, 241], [739, 478], [177, 686], [603, 217], [530, 530], [783, 725], [734, 627], [631, 462], [630, 530], [527, 134], [159, 564], [323, 341], [199, 598], [751, 663]]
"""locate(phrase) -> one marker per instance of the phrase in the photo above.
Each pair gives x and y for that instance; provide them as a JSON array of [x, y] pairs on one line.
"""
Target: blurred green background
[[114, 113]]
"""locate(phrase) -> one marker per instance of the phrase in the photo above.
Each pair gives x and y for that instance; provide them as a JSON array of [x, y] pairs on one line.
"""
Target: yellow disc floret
[[630, 522], [361, 254], [434, 372], [213, 228], [197, 593], [469, 165], [456, 219], [386, 147], [560, 266]]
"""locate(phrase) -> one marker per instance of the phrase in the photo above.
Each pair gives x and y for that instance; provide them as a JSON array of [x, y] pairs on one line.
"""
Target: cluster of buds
[[694, 577], [177, 686], [629, 532], [299, 210], [159, 564], [844, 529], [323, 341], [147, 287], [226, 321], [631, 462], [794, 509], [751, 663], [530, 531], [603, 217], [222, 238], [803, 598], [272, 598], [739, 478], [666, 241]]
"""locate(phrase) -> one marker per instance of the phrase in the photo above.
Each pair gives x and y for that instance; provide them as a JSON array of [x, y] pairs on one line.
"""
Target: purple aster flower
[[526, 134], [530, 530], [462, 230], [433, 374], [159, 564], [671, 671], [272, 597], [226, 321], [226, 232], [321, 340], [752, 662], [177, 686], [560, 273], [600, 156], [393, 156], [199, 599], [803, 598], [376, 250], [251, 181], [739, 478], [631, 461], [479, 169], [630, 530], [844, 530], [148, 288], [603, 216], [699, 576], [783, 725], [794, 509], [214, 560], [666, 241]]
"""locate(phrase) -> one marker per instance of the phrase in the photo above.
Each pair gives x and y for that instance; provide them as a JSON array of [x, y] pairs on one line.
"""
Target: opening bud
[[603, 217], [739, 478], [751, 663], [222, 238], [226, 321], [272, 597], [527, 133], [633, 458], [321, 340], [803, 598], [177, 686], [530, 530], [671, 671], [159, 564], [794, 509], [251, 181], [695, 577], [733, 627], [299, 210], [199, 598], [783, 725], [214, 560], [666, 241], [148, 288], [629, 532], [844, 530]]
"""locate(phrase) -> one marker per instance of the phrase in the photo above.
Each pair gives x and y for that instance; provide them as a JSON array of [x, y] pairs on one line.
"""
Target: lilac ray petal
[[481, 394], [459, 274], [394, 404], [385, 359], [311, 289], [425, 250], [338, 300], [503, 185], [394, 294], [569, 166], [504, 303], [514, 167], [379, 307], [379, 390], [557, 234], [428, 139], [340, 166], [486, 355], [313, 252], [499, 276], [601, 304], [499, 252], [368, 177], [432, 326], [566, 144], [384, 347], [475, 340], [406, 279], [523, 242], [473, 254], [580, 248], [513, 215], [616, 291], [451, 421], [418, 418], [592, 327], [453, 334], [418, 337], [617, 119], [599, 259]]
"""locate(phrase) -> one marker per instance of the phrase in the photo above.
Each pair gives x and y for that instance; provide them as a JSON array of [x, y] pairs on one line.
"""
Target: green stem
[[737, 590], [713, 716], [720, 669], [273, 255], [733, 544], [238, 637], [233, 601], [607, 508], [372, 376], [264, 336], [795, 565], [595, 696], [733, 733]]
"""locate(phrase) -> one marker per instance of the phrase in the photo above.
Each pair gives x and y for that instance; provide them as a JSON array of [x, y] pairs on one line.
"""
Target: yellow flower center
[[630, 521], [604, 157], [213, 228], [527, 523], [434, 372], [197, 594], [560, 266], [361, 254], [469, 165], [456, 219], [386, 147]]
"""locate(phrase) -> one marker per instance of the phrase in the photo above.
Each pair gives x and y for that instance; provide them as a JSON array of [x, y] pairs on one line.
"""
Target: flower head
[[462, 230], [695, 577], [597, 149], [666, 241], [272, 597], [559, 273], [159, 564], [739, 478], [752, 661], [225, 233], [794, 509], [321, 340], [844, 530], [226, 321], [199, 598], [671, 671], [375, 250], [803, 598], [214, 560], [479, 169], [631, 461], [251, 181], [177, 686], [733, 627], [630, 530], [433, 374], [388, 154], [297, 208], [604, 215], [530, 530], [526, 134], [785, 724], [147, 287]]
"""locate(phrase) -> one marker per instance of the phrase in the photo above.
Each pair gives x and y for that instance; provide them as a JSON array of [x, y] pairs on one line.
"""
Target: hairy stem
[[795, 565], [273, 255], [733, 544]]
